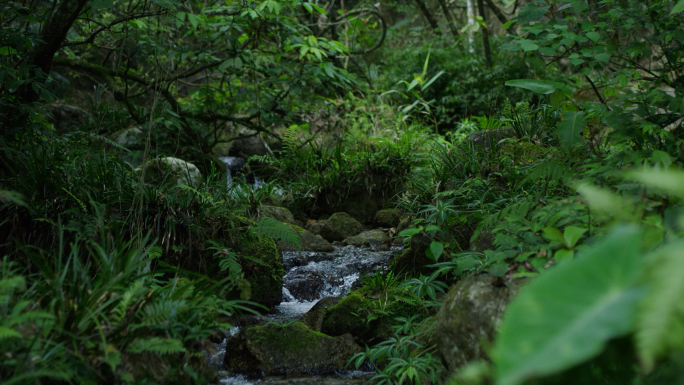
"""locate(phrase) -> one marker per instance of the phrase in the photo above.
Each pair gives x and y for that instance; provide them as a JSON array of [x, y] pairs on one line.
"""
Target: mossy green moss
[[369, 315], [262, 264]]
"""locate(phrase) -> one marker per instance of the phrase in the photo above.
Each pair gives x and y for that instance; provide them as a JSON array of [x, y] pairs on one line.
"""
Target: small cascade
[[310, 277], [233, 165]]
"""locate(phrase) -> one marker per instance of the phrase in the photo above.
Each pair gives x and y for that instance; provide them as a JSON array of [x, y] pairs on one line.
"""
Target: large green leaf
[[660, 325], [678, 7], [569, 129], [539, 86], [569, 313]]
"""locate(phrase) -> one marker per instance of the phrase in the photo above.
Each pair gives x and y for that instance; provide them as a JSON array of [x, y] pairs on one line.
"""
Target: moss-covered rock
[[287, 349], [278, 213], [173, 170], [369, 314], [265, 277], [388, 217], [340, 226], [313, 319], [366, 238], [469, 316], [308, 241]]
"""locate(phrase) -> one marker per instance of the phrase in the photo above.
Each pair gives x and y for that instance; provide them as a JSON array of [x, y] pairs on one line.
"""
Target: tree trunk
[[450, 18], [485, 34], [499, 15], [428, 16], [53, 35]]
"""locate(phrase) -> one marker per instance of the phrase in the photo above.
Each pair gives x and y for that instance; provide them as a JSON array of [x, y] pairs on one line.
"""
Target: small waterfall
[[233, 165]]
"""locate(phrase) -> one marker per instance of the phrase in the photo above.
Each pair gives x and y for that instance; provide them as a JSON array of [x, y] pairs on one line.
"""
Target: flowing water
[[310, 277]]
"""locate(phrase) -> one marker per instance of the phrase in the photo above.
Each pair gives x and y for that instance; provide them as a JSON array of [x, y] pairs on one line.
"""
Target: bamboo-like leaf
[[539, 86], [157, 345], [569, 313]]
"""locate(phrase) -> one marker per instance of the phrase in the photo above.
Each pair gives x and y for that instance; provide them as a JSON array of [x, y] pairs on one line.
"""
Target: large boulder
[[359, 315], [281, 214], [340, 226], [131, 138], [308, 241], [313, 319], [67, 118], [366, 238], [469, 317], [273, 349], [388, 217], [173, 170]]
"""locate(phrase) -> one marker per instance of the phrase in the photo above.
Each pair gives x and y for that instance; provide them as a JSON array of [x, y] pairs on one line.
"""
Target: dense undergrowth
[[560, 163]]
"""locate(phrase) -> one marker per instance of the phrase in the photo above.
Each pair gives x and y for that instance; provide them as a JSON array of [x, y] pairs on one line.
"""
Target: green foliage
[[603, 308], [278, 231]]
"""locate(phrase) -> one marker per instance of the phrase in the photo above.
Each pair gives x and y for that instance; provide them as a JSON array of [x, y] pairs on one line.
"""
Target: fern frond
[[126, 300], [161, 311], [278, 231], [8, 333], [550, 171], [660, 325], [157, 345], [520, 209]]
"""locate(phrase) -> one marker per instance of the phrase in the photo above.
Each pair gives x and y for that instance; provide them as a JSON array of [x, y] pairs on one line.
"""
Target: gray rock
[[68, 118], [308, 241], [340, 226], [367, 238], [274, 349], [131, 138], [313, 319], [173, 170], [469, 317]]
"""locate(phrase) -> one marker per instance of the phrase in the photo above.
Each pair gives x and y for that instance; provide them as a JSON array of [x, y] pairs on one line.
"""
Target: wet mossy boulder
[[313, 319], [388, 217], [263, 267], [340, 226], [278, 213], [469, 317], [308, 241], [172, 170], [273, 349], [369, 314], [367, 238]]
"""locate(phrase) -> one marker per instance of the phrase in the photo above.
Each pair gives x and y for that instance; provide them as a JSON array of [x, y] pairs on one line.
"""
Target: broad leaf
[[678, 8], [539, 86], [570, 128], [660, 325], [571, 235], [531, 12], [568, 314]]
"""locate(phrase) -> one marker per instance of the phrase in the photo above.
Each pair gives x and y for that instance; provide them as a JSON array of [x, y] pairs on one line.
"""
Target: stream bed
[[310, 277]]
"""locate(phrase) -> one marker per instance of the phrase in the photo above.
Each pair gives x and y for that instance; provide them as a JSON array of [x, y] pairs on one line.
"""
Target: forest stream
[[311, 276]]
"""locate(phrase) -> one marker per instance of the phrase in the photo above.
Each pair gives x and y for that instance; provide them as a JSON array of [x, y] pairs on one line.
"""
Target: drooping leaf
[[660, 325], [569, 129], [569, 313], [604, 201], [157, 345], [539, 86], [435, 250], [552, 234], [678, 7]]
